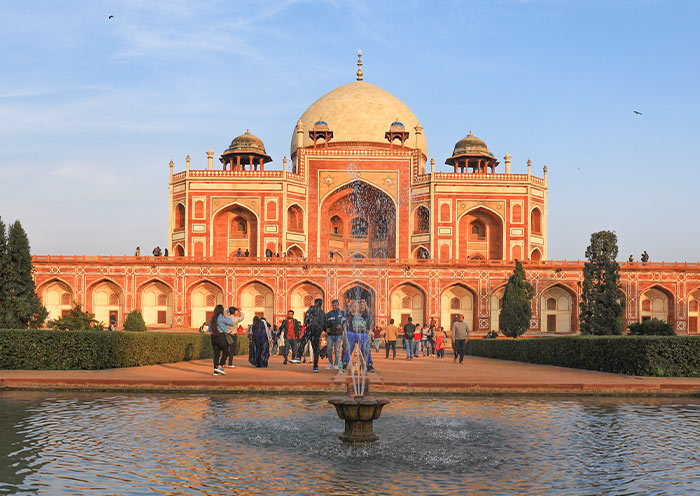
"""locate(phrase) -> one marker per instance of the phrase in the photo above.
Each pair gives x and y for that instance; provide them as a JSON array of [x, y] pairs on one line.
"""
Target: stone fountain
[[358, 411]]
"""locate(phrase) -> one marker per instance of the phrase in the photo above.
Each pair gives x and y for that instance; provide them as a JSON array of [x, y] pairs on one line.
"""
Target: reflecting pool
[[100, 443]]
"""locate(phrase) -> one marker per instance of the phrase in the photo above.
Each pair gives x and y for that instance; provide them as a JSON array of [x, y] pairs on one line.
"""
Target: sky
[[92, 109]]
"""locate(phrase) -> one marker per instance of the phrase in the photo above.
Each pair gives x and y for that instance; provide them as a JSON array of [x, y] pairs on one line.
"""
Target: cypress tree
[[22, 307], [3, 273], [601, 310], [517, 306]]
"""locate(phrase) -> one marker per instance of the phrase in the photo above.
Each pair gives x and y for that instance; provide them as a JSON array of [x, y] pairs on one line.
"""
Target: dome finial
[[359, 65]]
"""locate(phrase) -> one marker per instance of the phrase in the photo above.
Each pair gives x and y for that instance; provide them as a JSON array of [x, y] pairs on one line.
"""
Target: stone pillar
[[432, 165], [529, 167], [507, 159], [284, 163], [544, 172], [210, 159]]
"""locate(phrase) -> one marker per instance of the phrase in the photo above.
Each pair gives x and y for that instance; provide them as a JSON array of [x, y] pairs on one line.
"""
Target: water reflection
[[72, 443]]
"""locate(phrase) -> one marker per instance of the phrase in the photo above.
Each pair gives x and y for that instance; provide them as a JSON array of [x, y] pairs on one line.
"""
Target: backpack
[[359, 324], [315, 318]]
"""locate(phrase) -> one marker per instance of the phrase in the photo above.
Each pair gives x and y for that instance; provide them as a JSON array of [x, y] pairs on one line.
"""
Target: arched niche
[[295, 219], [156, 304], [496, 303], [179, 217], [235, 227], [480, 233], [656, 303], [694, 312], [408, 300], [421, 220], [257, 299], [536, 221], [106, 301], [557, 309], [302, 297], [204, 296], [57, 297], [455, 300]]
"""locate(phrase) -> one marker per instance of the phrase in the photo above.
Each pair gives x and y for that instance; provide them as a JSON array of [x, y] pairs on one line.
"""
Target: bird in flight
[[637, 112], [579, 169], [110, 17]]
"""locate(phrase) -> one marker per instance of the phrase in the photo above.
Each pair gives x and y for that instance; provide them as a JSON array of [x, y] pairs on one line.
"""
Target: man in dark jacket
[[291, 330], [335, 323], [409, 328], [314, 324]]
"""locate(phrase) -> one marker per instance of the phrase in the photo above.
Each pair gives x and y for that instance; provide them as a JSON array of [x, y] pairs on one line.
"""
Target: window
[[536, 221], [211, 300], [478, 230], [455, 304], [551, 304], [113, 299], [162, 300], [406, 302], [65, 299], [336, 226], [422, 220], [517, 213], [380, 228], [180, 216], [359, 227], [259, 300]]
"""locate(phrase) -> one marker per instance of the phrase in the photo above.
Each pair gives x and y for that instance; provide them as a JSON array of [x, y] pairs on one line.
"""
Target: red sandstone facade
[[355, 214]]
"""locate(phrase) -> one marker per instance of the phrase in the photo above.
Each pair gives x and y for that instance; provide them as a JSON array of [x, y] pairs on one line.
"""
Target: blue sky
[[92, 110]]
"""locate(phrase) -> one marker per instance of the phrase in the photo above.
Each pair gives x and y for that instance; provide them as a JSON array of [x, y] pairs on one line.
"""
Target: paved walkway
[[422, 375]]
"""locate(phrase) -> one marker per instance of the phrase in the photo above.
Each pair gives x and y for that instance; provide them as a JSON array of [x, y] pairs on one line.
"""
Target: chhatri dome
[[359, 111]]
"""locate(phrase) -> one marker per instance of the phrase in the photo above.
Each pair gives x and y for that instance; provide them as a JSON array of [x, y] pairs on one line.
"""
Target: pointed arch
[[480, 230], [656, 302], [558, 309], [467, 299], [536, 221], [295, 218], [536, 255], [694, 311], [408, 292], [105, 298], [302, 296], [496, 303], [295, 251], [421, 219], [180, 216], [256, 299], [227, 234], [203, 296], [154, 298], [57, 296]]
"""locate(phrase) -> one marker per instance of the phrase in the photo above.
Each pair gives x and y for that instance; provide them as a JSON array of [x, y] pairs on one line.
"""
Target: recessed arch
[[256, 299], [352, 292], [656, 302], [227, 238], [302, 295], [496, 303], [480, 231], [180, 216], [558, 305], [408, 292], [106, 300], [466, 297], [694, 311], [536, 255], [536, 221], [295, 251], [57, 297], [179, 250], [155, 300], [421, 219], [203, 296], [295, 218], [421, 253]]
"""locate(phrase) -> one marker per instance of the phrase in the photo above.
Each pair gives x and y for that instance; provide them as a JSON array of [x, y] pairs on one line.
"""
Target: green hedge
[[89, 350], [661, 356]]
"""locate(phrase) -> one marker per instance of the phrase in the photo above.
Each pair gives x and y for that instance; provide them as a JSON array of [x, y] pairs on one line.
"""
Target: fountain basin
[[359, 414]]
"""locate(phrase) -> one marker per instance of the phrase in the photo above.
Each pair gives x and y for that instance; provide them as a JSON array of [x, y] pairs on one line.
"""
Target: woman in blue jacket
[[218, 326]]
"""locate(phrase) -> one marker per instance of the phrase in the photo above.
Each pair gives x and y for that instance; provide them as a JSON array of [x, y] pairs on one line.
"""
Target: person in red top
[[416, 339], [377, 337], [291, 330], [440, 337]]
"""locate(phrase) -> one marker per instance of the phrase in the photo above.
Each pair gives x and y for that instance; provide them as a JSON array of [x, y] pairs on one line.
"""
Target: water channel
[[113, 443]]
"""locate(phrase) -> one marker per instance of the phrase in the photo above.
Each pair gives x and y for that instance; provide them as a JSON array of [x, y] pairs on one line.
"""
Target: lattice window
[[552, 304], [455, 304], [406, 302], [308, 300], [162, 300], [113, 299], [646, 306], [211, 300], [259, 300], [693, 306], [65, 299]]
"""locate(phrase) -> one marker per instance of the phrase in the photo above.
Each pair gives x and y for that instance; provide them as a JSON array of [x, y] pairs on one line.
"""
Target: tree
[[601, 309], [4, 273], [21, 306], [76, 319], [134, 322], [517, 306]]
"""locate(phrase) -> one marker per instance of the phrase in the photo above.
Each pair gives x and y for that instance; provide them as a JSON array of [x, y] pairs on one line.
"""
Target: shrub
[[90, 350], [661, 356], [76, 319], [134, 322], [652, 327]]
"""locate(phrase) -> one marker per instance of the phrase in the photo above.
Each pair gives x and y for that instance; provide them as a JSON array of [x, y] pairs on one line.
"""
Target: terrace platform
[[420, 376]]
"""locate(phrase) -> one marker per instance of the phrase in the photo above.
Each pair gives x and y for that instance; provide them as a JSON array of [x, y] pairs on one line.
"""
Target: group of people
[[343, 329], [157, 252]]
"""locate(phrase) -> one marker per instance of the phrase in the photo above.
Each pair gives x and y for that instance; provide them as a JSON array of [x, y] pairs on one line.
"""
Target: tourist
[[165, 253], [417, 336], [390, 334], [138, 251], [314, 324], [218, 327], [204, 328], [424, 340], [335, 322], [357, 328], [247, 253], [291, 330], [492, 334], [631, 258], [156, 251], [236, 316], [268, 253], [460, 333], [645, 257], [408, 333], [440, 339], [275, 340], [377, 337], [430, 340], [239, 253], [259, 352]]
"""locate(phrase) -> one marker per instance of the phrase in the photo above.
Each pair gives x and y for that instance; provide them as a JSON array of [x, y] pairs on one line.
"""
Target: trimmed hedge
[[90, 350], [659, 356]]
